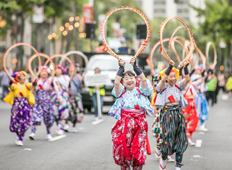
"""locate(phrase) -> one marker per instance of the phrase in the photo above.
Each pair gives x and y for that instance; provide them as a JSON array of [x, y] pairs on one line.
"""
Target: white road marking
[[201, 133], [196, 156], [97, 121], [198, 143], [27, 149], [80, 128], [57, 138]]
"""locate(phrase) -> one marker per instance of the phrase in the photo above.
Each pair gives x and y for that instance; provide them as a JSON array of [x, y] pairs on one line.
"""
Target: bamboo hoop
[[207, 54], [162, 50], [144, 44], [16, 45], [35, 56]]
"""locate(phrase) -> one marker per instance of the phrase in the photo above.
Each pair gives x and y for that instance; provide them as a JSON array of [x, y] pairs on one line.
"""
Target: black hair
[[129, 73]]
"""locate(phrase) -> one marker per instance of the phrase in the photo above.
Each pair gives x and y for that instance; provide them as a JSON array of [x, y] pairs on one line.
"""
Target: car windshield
[[105, 65]]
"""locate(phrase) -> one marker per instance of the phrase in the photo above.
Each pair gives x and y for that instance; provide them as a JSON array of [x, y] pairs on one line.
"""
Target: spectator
[[229, 84], [4, 82], [93, 94], [211, 92], [123, 48]]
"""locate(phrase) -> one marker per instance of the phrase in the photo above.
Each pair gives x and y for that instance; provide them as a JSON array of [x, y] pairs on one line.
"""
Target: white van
[[108, 65]]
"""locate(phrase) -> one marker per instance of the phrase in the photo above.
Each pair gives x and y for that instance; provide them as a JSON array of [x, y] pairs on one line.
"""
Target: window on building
[[182, 10], [186, 19], [159, 10], [159, 2], [182, 2]]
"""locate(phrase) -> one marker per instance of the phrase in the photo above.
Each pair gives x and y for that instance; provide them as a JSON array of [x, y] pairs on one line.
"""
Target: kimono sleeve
[[180, 84], [148, 90], [122, 89], [29, 85], [158, 87]]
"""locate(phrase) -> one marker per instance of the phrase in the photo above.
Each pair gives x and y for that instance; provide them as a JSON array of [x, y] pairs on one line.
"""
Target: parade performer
[[75, 107], [60, 97], [190, 112], [198, 81], [43, 109], [21, 99], [171, 100], [156, 126], [129, 135]]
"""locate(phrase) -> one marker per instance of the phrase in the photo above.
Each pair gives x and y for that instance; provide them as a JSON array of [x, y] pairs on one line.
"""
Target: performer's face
[[44, 74], [198, 71], [22, 79], [172, 79], [129, 82], [58, 72], [72, 70]]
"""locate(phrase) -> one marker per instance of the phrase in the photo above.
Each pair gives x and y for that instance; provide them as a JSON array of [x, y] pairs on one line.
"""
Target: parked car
[[108, 65]]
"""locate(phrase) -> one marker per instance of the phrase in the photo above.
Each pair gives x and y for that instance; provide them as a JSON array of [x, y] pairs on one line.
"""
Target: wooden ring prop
[[207, 53], [174, 49], [33, 57], [66, 58], [144, 44], [173, 34], [78, 53], [16, 45], [162, 50], [203, 58], [149, 60]]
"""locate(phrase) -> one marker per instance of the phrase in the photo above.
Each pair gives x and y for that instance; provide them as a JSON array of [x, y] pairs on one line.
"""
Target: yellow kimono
[[20, 91]]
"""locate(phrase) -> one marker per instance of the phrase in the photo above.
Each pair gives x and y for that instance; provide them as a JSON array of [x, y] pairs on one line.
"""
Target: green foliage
[[218, 19]]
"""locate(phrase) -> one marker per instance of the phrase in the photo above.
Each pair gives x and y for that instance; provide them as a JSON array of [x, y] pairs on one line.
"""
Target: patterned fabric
[[202, 107], [157, 129], [129, 138], [20, 116], [191, 119], [167, 91], [43, 109], [75, 109], [173, 133], [129, 100]]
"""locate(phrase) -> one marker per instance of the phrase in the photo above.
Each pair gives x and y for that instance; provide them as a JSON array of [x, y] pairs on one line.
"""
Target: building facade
[[167, 8]]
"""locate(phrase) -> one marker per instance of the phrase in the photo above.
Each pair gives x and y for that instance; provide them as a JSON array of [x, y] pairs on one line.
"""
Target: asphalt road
[[91, 147]]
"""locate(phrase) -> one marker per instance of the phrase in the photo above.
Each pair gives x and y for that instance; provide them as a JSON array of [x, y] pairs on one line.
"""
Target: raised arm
[[166, 74], [118, 77], [139, 73], [187, 77]]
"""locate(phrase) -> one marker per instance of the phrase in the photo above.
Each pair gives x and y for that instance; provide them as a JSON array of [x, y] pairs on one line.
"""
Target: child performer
[[198, 81], [21, 99], [129, 135], [60, 98], [190, 112], [43, 109], [171, 100], [75, 107], [156, 127]]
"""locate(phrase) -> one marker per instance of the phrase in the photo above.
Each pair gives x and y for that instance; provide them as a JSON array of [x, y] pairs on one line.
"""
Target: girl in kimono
[[156, 127], [129, 135], [60, 98], [43, 109], [190, 112], [75, 107], [198, 81], [170, 99], [21, 100]]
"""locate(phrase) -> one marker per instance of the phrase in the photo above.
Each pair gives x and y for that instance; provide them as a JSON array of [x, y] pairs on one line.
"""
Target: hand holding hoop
[[16, 45], [144, 44]]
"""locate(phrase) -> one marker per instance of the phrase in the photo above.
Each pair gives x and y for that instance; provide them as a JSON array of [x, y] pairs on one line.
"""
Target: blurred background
[[59, 26]]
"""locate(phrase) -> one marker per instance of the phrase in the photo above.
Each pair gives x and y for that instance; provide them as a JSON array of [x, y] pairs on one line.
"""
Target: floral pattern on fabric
[[129, 139], [43, 109], [20, 115], [76, 109], [131, 99]]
